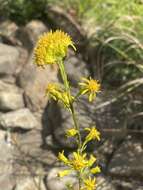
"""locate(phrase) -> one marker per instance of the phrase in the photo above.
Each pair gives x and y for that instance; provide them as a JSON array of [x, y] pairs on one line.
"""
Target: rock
[[30, 183], [8, 59], [54, 183], [11, 97], [31, 148], [7, 181], [104, 152], [108, 117], [127, 161], [22, 118], [8, 79], [29, 34], [7, 31], [34, 81], [8, 87], [76, 68], [128, 185], [104, 184], [11, 101]]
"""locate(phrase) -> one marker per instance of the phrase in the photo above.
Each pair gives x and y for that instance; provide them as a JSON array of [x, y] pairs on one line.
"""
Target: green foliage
[[22, 11]]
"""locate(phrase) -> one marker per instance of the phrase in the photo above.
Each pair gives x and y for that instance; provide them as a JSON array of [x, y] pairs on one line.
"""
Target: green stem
[[64, 75], [77, 127], [79, 180], [66, 84]]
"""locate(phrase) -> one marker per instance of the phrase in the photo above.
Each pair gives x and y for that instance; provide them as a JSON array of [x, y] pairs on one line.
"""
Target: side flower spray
[[51, 48]]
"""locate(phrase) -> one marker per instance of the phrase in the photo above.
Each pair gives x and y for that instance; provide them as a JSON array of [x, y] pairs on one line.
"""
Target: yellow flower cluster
[[93, 134], [52, 47], [56, 92], [79, 161]]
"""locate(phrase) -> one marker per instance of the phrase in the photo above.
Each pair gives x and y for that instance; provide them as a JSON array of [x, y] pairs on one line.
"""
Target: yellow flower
[[79, 162], [62, 157], [89, 184], [52, 47], [64, 173], [95, 170], [90, 87], [71, 132], [93, 134], [53, 90]]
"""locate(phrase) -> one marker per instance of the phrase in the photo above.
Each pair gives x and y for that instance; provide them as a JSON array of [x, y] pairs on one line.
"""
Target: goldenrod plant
[[52, 48]]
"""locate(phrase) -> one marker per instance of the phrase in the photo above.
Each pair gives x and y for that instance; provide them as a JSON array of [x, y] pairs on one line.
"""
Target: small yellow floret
[[89, 184], [62, 157], [93, 134], [95, 170], [52, 47], [71, 132], [53, 91], [66, 99], [90, 87], [79, 162]]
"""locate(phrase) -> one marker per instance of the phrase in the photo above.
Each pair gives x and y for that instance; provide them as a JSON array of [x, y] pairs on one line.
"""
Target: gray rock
[[8, 87], [76, 68], [31, 148], [22, 118], [34, 81], [7, 31], [7, 182], [8, 59], [128, 160], [55, 183], [103, 183], [29, 34], [8, 79], [11, 101], [128, 185], [8, 28], [30, 183]]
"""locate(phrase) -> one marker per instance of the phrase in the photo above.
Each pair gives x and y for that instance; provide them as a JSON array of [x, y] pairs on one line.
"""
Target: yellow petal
[[64, 173], [95, 170], [91, 160]]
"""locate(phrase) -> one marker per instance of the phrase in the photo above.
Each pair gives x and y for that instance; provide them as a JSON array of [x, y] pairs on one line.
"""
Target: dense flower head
[[78, 161], [93, 134], [52, 47], [90, 87]]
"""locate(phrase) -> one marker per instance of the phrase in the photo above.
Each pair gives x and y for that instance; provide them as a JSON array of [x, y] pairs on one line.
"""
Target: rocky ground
[[32, 130]]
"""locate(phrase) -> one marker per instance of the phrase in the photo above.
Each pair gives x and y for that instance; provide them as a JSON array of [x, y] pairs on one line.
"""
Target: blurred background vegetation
[[113, 38]]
